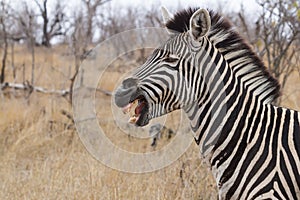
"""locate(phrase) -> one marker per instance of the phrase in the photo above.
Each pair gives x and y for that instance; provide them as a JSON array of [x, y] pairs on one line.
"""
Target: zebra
[[207, 69]]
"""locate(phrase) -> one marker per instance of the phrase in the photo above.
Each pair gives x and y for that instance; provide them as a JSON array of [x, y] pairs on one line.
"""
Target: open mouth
[[138, 111]]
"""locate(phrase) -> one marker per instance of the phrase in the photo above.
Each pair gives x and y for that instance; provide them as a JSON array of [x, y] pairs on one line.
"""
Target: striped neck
[[221, 99]]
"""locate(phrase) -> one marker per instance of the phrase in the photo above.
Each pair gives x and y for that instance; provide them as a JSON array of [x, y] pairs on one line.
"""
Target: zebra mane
[[234, 48]]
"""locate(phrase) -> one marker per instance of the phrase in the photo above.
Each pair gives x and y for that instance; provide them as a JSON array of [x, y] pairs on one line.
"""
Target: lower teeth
[[132, 120]]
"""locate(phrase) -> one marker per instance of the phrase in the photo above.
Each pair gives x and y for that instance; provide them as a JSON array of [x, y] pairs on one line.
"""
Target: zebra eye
[[171, 59]]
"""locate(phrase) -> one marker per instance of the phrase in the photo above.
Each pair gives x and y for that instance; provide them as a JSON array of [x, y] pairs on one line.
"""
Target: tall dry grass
[[42, 159], [42, 156]]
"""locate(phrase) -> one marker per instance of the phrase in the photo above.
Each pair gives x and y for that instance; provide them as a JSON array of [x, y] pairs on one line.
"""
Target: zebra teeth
[[133, 119], [132, 112], [127, 108], [134, 109]]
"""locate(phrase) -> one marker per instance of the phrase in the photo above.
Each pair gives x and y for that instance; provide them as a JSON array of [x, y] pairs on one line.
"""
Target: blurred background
[[42, 44]]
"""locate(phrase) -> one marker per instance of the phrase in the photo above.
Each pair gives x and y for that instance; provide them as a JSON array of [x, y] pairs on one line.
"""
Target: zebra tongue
[[139, 108]]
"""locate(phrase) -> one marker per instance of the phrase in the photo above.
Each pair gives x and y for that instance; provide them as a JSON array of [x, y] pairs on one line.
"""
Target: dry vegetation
[[42, 156]]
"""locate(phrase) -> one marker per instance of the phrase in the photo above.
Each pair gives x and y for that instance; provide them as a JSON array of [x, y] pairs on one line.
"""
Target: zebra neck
[[214, 96], [216, 120]]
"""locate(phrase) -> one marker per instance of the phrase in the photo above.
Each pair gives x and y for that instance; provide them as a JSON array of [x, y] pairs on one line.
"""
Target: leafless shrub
[[51, 24], [275, 36]]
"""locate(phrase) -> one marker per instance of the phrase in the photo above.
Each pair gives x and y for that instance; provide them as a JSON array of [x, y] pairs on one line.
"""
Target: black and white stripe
[[252, 146]]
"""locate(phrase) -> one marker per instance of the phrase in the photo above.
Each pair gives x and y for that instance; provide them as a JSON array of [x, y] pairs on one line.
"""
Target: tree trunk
[[32, 61], [13, 60], [2, 75], [46, 39]]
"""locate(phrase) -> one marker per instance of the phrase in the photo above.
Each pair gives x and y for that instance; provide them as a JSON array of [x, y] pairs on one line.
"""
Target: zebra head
[[165, 82]]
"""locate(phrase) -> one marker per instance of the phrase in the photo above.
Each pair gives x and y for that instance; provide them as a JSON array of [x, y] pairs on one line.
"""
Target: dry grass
[[43, 160], [42, 156]]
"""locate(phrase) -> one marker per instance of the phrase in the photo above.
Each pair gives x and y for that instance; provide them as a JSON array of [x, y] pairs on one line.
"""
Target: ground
[[42, 156]]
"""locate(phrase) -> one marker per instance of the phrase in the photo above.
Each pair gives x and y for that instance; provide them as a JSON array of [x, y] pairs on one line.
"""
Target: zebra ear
[[200, 24], [166, 14]]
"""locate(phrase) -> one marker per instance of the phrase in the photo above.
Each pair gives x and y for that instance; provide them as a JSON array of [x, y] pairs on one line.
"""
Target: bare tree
[[7, 35], [27, 19], [91, 10], [279, 30], [82, 28], [3, 17], [79, 42], [52, 24], [82, 32], [275, 35]]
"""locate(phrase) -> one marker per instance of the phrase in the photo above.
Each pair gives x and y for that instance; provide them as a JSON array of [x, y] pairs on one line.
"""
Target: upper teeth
[[128, 109], [133, 105]]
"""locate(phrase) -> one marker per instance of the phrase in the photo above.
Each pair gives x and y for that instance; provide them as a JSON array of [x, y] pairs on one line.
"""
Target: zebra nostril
[[129, 82], [125, 91]]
